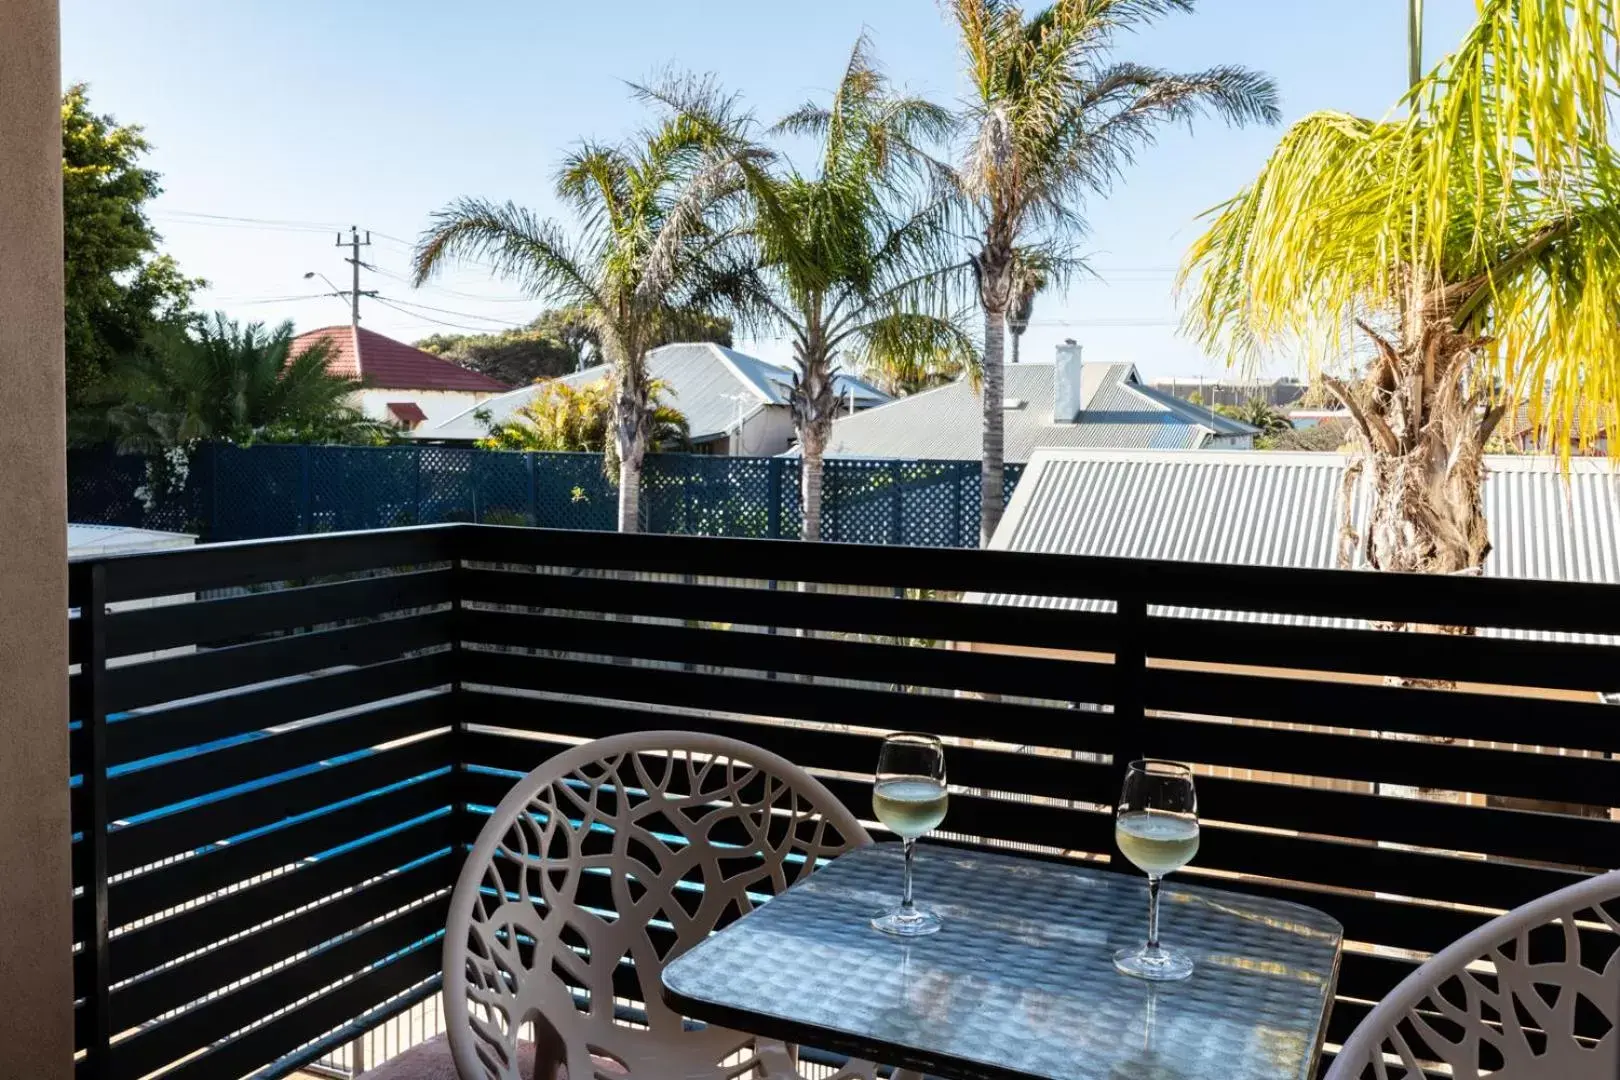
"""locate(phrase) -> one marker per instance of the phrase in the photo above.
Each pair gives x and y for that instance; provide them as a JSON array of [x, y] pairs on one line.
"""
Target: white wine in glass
[[909, 797], [1157, 830]]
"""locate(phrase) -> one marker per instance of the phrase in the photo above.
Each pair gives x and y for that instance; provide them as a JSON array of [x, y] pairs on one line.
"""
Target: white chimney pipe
[[1067, 399]]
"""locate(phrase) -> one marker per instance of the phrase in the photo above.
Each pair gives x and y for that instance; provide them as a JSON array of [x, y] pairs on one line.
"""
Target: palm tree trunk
[[810, 493], [990, 466], [629, 494], [1017, 337], [632, 431]]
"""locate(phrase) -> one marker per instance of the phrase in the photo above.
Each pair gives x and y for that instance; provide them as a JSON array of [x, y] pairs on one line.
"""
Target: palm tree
[[912, 373], [222, 381], [854, 255], [561, 417], [1474, 244], [647, 254], [1030, 279], [1049, 120]]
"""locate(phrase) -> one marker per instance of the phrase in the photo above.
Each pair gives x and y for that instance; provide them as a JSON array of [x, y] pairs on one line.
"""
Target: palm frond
[[521, 247]]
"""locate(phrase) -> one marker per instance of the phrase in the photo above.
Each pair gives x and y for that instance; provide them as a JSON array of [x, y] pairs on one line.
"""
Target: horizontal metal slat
[[1543, 605], [179, 727], [185, 831], [1039, 677], [968, 717], [788, 607], [1383, 761], [211, 671], [1574, 725], [253, 562], [225, 914], [175, 781], [1554, 665], [219, 967], [1030, 774], [221, 867], [1521, 834], [204, 622], [197, 1028]]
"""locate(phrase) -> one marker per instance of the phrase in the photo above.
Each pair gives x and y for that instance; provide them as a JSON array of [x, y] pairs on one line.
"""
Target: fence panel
[[243, 493]]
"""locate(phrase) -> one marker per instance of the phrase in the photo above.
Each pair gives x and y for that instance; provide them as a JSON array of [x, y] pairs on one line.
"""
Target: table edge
[[771, 1026]]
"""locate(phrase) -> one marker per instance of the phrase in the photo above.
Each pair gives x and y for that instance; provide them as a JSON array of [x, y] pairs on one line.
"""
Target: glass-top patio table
[[1019, 982]]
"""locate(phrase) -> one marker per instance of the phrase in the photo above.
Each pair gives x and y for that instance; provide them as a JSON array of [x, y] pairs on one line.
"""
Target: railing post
[[460, 810], [534, 488], [897, 517], [303, 489], [773, 496], [416, 488], [93, 676], [1130, 683]]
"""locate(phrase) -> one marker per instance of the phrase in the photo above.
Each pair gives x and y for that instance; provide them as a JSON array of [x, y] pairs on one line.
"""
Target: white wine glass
[[1157, 829], [909, 797]]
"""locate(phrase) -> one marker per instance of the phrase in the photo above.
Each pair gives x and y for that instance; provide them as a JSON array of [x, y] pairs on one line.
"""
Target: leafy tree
[[222, 381], [1048, 121], [647, 251], [561, 417], [515, 357], [117, 290], [1259, 414], [913, 373], [853, 251], [1473, 244], [1327, 435], [558, 342]]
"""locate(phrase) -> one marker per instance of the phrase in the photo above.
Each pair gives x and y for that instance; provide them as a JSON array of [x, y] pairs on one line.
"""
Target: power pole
[[1414, 42], [354, 243]]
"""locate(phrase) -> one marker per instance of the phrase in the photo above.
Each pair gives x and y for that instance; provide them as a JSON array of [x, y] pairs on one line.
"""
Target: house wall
[[1230, 442], [439, 405], [767, 433], [36, 980]]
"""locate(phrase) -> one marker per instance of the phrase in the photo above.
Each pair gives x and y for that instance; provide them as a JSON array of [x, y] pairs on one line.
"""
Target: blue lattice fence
[[236, 493]]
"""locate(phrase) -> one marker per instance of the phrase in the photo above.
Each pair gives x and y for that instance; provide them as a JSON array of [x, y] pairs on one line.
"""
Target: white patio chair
[[1456, 1011], [585, 882]]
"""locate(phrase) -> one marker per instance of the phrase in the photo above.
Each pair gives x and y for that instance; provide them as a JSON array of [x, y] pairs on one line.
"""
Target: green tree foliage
[[218, 380], [561, 417], [117, 288], [648, 248], [558, 342], [515, 357], [1472, 243], [1259, 414], [1050, 118], [855, 251]]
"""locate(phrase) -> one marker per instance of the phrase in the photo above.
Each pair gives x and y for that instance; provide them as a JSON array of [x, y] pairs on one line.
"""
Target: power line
[[403, 280], [437, 322], [460, 314]]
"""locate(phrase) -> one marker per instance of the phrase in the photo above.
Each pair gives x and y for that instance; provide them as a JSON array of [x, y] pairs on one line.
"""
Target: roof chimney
[[1066, 396]]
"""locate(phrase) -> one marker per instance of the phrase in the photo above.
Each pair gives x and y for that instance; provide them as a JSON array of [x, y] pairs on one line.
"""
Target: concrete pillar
[[36, 984]]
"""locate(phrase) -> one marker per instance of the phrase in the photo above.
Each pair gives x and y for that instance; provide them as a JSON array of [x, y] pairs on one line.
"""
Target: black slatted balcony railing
[[281, 749]]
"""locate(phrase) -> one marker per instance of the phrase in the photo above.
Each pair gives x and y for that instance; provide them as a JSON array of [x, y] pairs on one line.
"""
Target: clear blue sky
[[337, 111]]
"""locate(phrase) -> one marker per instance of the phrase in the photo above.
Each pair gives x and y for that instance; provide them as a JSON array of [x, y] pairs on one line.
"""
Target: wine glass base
[[908, 923], [1155, 965]]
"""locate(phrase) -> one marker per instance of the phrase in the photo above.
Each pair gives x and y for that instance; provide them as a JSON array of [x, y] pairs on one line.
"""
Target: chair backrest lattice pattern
[[1532, 994], [599, 867]]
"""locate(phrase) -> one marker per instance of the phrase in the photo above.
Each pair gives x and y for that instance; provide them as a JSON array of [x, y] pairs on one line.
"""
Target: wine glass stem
[[1153, 913], [905, 896]]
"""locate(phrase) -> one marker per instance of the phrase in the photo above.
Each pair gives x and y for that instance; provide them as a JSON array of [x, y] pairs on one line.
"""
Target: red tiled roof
[[408, 413], [391, 365]]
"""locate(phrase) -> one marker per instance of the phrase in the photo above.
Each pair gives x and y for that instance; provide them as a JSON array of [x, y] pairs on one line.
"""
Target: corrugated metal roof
[[946, 422], [1283, 509], [710, 384]]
